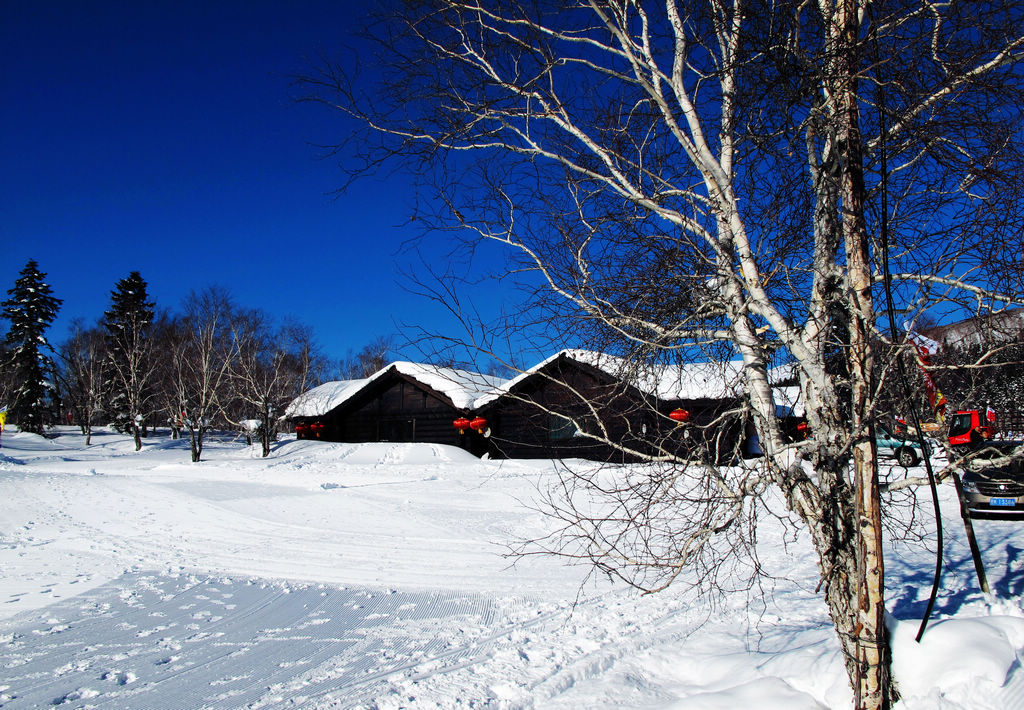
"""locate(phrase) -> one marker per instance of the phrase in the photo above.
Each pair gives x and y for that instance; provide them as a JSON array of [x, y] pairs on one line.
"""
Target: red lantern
[[478, 424], [679, 415], [804, 429], [301, 430], [461, 424]]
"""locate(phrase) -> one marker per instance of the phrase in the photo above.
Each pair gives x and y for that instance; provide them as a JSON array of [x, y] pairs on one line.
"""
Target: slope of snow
[[374, 576]]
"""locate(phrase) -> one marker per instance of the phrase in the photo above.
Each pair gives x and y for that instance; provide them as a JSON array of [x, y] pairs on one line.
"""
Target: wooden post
[[979, 566]]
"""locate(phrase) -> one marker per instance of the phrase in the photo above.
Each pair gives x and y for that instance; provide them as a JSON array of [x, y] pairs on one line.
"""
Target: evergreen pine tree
[[31, 309], [130, 361]]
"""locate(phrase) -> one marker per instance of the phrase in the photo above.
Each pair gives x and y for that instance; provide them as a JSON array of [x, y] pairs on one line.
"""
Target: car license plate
[[1004, 502]]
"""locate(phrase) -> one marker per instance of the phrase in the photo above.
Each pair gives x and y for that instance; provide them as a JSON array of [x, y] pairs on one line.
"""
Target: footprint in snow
[[119, 677]]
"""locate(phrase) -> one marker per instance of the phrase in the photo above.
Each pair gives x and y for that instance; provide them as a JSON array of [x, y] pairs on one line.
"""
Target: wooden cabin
[[549, 410], [312, 412], [544, 412], [575, 404], [405, 402]]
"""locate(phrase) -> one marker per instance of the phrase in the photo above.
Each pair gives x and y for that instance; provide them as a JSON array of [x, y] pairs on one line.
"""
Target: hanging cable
[[901, 372]]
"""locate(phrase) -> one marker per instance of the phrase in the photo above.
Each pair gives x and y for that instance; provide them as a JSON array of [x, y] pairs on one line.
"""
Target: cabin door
[[397, 430]]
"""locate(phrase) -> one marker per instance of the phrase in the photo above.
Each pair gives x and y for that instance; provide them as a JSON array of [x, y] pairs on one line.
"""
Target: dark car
[[993, 479]]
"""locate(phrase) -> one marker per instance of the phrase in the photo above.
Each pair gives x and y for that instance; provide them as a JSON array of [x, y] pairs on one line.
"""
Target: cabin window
[[412, 396], [561, 428]]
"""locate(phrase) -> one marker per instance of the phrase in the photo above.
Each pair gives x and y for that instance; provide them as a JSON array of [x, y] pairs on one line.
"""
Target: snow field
[[373, 576]]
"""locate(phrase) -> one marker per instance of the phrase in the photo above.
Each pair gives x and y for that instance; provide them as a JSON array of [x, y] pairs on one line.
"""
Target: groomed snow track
[[223, 643]]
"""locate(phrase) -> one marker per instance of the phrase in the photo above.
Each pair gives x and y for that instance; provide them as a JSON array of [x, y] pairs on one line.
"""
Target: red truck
[[970, 426]]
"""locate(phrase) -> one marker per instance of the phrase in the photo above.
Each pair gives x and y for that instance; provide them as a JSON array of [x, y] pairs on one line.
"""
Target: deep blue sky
[[163, 137]]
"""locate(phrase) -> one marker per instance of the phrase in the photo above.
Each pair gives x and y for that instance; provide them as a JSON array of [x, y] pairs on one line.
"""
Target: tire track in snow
[[226, 643]]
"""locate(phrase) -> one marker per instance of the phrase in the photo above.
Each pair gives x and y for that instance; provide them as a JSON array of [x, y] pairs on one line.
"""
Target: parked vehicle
[[891, 441], [906, 450], [993, 479], [970, 427]]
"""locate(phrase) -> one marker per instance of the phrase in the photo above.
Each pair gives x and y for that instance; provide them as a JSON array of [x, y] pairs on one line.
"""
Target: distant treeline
[[211, 364]]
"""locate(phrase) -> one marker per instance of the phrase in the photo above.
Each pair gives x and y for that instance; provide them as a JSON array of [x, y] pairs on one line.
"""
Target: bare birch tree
[[273, 367], [375, 355], [203, 355], [723, 176], [80, 375], [165, 335]]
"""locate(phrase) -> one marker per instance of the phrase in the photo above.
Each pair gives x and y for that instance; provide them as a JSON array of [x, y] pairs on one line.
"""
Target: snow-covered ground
[[334, 575]]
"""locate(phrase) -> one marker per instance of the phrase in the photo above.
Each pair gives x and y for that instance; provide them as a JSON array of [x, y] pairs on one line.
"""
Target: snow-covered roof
[[697, 380], [472, 390], [322, 399], [462, 387], [788, 402]]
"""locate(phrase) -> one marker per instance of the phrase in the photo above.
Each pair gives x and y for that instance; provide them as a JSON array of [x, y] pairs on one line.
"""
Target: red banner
[[926, 347]]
